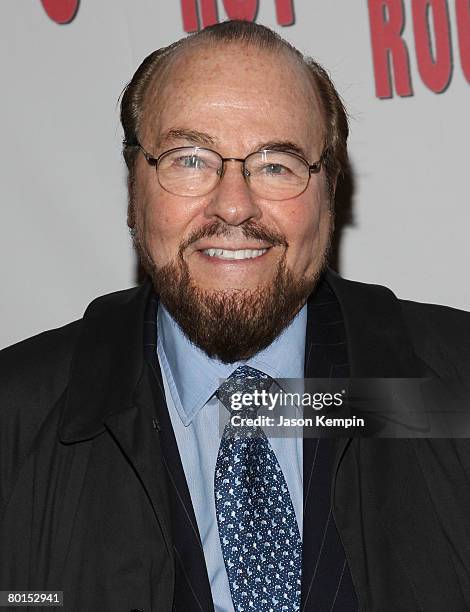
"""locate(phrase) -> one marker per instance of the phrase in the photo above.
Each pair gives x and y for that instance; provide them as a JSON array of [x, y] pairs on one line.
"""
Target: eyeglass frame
[[154, 161]]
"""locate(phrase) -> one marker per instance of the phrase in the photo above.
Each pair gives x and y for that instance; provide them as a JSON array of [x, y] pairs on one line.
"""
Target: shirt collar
[[193, 377]]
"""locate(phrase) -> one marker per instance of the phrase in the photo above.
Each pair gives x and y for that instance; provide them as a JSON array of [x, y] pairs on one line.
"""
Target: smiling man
[[244, 216], [123, 481]]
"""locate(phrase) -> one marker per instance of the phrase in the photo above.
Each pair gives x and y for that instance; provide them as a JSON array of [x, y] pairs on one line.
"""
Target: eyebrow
[[202, 138], [184, 134], [282, 145]]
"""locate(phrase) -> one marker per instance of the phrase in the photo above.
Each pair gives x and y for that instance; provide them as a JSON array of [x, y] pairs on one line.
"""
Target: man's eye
[[275, 169], [190, 161]]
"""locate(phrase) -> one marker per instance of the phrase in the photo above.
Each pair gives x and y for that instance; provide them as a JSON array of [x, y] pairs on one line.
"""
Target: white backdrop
[[63, 199]]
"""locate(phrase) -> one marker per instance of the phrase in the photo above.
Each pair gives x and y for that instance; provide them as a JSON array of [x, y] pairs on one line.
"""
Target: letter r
[[387, 20]]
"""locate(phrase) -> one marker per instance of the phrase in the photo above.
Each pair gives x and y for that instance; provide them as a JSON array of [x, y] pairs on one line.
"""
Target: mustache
[[250, 229]]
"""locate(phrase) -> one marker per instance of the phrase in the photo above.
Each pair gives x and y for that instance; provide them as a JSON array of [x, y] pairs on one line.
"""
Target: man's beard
[[230, 324]]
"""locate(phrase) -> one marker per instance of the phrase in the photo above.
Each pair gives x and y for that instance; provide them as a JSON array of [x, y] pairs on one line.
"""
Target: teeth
[[240, 254]]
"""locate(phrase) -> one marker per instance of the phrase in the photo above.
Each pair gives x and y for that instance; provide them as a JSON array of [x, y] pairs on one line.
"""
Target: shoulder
[[34, 374], [437, 320], [43, 361], [34, 357], [440, 335]]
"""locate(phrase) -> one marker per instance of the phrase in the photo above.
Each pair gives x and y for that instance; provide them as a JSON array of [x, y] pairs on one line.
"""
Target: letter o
[[61, 11]]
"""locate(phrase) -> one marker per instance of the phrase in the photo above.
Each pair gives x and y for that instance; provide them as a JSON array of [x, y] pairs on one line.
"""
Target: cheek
[[306, 226], [164, 222], [302, 225]]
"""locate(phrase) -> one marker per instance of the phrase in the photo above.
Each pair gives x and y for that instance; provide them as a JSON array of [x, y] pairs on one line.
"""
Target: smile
[[235, 254]]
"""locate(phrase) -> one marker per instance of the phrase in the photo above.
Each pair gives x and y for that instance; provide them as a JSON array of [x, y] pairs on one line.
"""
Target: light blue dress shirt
[[190, 379]]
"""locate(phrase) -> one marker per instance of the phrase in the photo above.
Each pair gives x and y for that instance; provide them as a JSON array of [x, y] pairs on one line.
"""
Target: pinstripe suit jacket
[[84, 504]]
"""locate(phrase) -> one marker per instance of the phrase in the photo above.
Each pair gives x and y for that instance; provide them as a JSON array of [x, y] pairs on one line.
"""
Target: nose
[[232, 201]]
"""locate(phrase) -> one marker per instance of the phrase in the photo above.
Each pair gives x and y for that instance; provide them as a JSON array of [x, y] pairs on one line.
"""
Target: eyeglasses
[[196, 171]]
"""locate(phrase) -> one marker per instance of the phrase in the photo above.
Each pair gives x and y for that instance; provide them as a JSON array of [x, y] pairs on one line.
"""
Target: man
[[116, 485]]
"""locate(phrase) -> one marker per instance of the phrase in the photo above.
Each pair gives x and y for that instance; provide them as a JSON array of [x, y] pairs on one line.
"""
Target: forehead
[[238, 94]]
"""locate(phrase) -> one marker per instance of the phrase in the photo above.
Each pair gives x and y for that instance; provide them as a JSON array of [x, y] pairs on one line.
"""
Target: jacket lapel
[[109, 390], [192, 588], [378, 346], [135, 432], [326, 580], [378, 341]]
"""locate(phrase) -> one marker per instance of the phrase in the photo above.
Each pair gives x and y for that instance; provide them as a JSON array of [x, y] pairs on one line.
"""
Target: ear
[[130, 216]]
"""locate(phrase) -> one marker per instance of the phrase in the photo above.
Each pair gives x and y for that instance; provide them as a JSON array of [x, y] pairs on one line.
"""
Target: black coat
[[83, 490]]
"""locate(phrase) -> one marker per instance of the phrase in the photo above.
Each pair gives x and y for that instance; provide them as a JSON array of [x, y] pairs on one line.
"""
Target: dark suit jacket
[[84, 504]]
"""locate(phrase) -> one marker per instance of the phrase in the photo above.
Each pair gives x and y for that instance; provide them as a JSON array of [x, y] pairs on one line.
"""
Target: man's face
[[236, 100]]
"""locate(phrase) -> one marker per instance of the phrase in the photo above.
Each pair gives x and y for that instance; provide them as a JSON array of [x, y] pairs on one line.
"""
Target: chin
[[234, 319], [231, 324]]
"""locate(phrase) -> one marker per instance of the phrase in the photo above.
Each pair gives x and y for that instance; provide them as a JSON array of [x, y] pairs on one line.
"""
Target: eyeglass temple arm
[[153, 161], [315, 168]]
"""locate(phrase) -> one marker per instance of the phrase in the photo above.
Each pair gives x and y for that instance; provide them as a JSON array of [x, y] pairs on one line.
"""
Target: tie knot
[[244, 380]]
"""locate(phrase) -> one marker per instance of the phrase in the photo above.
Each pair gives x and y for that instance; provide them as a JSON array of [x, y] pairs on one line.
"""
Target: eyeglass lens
[[189, 171]]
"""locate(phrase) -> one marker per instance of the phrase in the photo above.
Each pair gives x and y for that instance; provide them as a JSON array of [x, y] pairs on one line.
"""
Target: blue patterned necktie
[[258, 529]]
